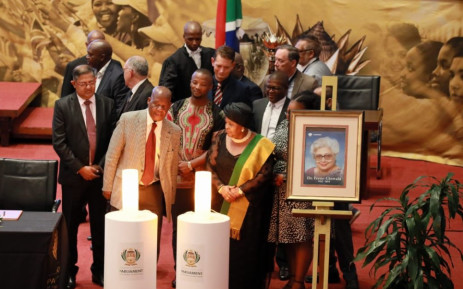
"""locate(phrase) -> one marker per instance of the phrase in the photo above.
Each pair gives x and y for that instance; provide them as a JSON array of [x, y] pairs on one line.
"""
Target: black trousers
[[184, 202], [74, 198]]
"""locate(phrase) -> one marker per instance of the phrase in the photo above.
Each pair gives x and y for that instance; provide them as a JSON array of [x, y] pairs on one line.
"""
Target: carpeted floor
[[397, 173]]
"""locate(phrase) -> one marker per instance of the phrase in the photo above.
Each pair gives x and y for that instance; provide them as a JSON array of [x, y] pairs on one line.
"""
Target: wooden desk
[[33, 251], [14, 98]]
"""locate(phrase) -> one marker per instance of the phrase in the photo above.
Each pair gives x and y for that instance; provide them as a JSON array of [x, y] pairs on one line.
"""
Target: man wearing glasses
[[309, 62], [82, 126]]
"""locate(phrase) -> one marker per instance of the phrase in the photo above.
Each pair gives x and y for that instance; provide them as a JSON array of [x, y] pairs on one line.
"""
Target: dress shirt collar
[[136, 86], [102, 71], [81, 100], [191, 53], [279, 104]]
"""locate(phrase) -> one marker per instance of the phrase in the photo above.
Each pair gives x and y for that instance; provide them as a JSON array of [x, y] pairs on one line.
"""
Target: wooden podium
[[323, 214]]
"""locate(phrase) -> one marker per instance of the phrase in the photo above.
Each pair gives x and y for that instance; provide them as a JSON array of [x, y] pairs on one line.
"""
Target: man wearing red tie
[[82, 126], [146, 141]]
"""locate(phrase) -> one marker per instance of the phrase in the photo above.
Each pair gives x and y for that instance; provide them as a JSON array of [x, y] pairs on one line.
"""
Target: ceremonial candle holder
[[271, 43]]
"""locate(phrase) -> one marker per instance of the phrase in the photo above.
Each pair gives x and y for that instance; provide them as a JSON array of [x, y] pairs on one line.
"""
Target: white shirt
[[291, 85], [100, 73], [157, 132], [135, 88], [270, 118], [84, 107], [196, 55]]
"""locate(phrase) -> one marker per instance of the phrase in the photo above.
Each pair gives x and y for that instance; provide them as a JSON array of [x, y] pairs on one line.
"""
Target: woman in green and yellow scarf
[[241, 163]]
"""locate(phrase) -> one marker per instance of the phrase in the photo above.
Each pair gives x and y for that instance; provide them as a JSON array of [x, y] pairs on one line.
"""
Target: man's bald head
[[94, 35], [99, 52], [192, 35]]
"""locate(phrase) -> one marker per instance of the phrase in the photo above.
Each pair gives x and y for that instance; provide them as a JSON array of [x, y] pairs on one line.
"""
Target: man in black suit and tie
[[178, 68], [110, 76], [226, 88], [135, 76], [67, 87], [271, 110], [82, 127]]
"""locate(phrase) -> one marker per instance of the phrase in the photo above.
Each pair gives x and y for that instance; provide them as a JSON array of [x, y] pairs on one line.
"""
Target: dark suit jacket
[[139, 100], [258, 109], [70, 139], [113, 85], [233, 90], [67, 87], [254, 89], [178, 68]]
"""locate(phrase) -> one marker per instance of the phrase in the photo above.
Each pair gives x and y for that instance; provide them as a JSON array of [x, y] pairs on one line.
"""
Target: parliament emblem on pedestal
[[191, 257], [130, 256]]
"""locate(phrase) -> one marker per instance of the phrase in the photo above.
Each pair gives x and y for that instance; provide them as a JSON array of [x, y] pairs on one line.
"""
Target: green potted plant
[[407, 244]]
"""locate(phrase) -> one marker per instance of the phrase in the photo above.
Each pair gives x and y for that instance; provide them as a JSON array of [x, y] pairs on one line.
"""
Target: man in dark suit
[[226, 88], [110, 76], [67, 87], [238, 72], [286, 60], [178, 68], [135, 76], [268, 112], [82, 128]]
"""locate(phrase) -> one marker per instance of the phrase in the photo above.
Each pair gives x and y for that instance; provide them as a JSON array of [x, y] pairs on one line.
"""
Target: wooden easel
[[323, 214]]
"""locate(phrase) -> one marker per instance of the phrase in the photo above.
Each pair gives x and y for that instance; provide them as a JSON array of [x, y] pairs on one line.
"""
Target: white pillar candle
[[130, 190], [203, 192]]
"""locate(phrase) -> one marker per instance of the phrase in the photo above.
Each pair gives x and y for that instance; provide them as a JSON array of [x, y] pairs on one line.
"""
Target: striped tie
[[218, 94]]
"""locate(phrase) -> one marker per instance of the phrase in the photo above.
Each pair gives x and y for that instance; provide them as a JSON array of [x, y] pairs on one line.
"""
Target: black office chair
[[361, 92], [28, 185]]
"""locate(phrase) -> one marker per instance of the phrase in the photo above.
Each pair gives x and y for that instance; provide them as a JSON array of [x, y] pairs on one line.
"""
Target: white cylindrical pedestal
[[203, 245], [130, 250]]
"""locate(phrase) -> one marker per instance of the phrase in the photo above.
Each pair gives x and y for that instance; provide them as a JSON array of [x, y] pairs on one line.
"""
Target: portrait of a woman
[[324, 151]]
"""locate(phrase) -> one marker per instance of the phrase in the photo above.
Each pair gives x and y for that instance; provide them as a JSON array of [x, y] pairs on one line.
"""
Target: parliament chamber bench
[[18, 118]]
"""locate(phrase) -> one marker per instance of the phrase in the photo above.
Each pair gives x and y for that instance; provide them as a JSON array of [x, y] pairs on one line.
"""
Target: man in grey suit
[[269, 111], [130, 146], [135, 76], [309, 49], [82, 125], [286, 60]]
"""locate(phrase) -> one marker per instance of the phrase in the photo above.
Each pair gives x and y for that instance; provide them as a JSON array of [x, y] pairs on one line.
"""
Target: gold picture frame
[[324, 155]]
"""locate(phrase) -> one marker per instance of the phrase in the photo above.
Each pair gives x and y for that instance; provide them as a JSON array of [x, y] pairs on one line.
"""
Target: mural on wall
[[411, 44]]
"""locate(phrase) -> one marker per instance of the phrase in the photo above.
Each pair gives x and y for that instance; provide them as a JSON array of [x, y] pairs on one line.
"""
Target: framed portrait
[[324, 155]]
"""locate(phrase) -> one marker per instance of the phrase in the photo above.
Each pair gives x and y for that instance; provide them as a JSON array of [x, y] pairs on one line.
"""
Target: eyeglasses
[[327, 157], [85, 84], [276, 88], [304, 50]]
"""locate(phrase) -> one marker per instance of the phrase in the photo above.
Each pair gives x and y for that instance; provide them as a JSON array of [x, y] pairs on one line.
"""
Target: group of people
[[203, 115]]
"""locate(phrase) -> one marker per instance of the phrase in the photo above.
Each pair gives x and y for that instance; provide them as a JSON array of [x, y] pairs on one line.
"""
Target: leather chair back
[[358, 92], [28, 185]]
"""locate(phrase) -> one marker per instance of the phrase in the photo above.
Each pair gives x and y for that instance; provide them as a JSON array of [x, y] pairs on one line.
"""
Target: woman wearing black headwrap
[[241, 163]]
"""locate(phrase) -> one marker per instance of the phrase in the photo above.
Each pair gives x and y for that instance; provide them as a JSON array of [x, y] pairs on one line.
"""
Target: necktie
[[91, 130], [125, 108], [266, 119], [218, 94], [150, 154]]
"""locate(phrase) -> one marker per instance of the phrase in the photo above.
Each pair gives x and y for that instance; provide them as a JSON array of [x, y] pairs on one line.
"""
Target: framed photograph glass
[[324, 155]]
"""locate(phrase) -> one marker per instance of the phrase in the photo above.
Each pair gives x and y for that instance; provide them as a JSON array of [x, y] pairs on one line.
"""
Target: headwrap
[[240, 113]]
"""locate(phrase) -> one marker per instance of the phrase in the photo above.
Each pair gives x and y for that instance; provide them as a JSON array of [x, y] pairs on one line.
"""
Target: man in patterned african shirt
[[199, 118]]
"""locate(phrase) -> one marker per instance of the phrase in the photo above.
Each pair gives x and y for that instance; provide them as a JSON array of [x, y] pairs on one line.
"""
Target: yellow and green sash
[[246, 168]]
